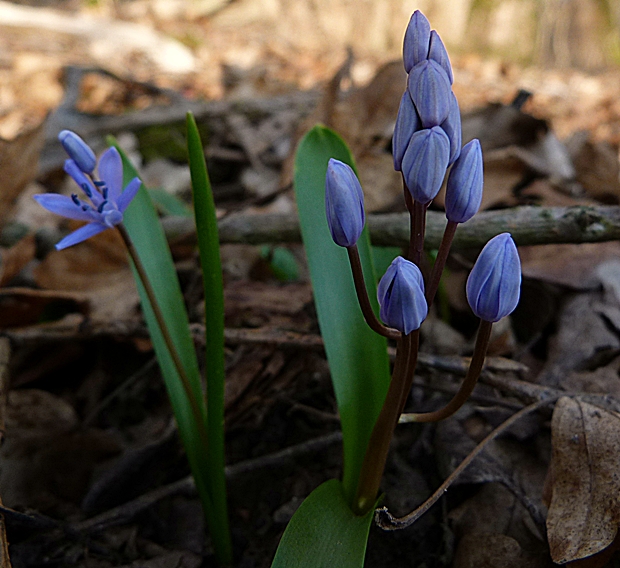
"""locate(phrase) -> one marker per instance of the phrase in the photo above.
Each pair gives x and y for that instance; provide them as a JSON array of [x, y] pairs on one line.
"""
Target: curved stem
[[362, 296], [473, 373], [379, 443], [174, 354], [440, 262]]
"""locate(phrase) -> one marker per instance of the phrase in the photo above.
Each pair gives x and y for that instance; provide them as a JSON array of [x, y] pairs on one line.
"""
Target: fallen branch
[[528, 226]]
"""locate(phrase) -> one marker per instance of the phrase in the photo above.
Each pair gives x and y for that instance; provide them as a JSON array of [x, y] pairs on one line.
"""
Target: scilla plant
[[113, 198], [331, 526]]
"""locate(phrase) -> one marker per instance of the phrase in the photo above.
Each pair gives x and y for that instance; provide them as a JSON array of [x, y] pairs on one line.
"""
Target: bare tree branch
[[528, 225]]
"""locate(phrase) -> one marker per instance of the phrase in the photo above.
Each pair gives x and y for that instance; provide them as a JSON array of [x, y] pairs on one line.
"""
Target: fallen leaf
[[585, 505]]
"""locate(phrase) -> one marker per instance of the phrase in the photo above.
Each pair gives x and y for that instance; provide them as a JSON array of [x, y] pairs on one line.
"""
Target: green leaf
[[324, 533], [382, 257], [144, 228], [357, 356], [282, 262], [209, 247], [169, 204]]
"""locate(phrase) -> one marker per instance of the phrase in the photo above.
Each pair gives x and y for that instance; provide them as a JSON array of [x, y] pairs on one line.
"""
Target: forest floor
[[92, 472]]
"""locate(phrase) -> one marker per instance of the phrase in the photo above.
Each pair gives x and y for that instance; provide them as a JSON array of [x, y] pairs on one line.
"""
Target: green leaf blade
[[142, 224], [324, 533], [357, 356], [209, 248]]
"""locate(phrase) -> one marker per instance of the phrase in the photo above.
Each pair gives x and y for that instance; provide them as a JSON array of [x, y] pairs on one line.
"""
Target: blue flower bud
[[464, 188], [437, 51], [344, 203], [452, 127], [430, 90], [494, 284], [78, 151], [401, 296], [425, 162], [417, 40], [407, 123]]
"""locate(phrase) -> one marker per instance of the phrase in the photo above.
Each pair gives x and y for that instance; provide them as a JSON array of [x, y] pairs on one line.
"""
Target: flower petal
[[111, 172], [128, 194], [83, 181], [63, 205], [83, 233]]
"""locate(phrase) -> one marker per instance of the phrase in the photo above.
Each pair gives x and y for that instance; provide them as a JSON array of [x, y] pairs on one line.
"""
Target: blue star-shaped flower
[[107, 200]]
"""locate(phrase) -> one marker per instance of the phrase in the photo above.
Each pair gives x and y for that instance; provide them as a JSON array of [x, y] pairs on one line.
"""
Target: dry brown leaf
[[585, 505], [493, 551], [18, 165], [568, 265]]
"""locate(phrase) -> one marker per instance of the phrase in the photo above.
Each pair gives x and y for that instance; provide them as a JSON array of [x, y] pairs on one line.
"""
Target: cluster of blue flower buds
[[426, 142]]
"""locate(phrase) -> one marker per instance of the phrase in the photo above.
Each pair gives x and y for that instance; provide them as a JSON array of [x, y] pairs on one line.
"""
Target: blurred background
[[223, 48]]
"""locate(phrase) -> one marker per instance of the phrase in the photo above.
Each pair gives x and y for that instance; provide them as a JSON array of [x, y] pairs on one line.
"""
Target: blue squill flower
[[430, 90], [464, 187], [344, 203], [425, 162], [407, 123], [107, 201], [494, 284], [401, 296], [80, 152], [417, 40], [452, 127], [437, 51]]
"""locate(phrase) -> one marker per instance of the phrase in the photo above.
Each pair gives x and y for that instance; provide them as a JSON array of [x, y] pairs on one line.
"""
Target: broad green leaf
[[357, 356], [324, 533], [169, 204], [382, 257], [144, 228], [209, 247], [282, 262]]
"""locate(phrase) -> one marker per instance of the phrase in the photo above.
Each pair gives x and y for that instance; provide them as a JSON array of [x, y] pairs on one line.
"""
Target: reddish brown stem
[[440, 262], [473, 373], [379, 444], [364, 300]]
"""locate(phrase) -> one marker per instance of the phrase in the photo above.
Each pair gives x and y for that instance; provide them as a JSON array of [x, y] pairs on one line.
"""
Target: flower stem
[[418, 227], [379, 443], [473, 373], [440, 262], [174, 354], [362, 296]]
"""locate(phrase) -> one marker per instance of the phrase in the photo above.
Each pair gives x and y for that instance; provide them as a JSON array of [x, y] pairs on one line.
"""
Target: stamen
[[87, 190], [100, 208], [75, 199]]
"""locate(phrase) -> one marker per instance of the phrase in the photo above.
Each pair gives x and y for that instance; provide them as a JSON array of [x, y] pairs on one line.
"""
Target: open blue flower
[[106, 203]]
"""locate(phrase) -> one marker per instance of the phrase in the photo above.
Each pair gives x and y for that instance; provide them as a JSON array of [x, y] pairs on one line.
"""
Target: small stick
[[388, 522]]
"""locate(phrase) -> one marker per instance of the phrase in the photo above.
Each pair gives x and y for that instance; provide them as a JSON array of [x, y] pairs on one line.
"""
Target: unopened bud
[[425, 162], [344, 203], [78, 151], [464, 187], [494, 283], [407, 123], [401, 296], [417, 40]]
